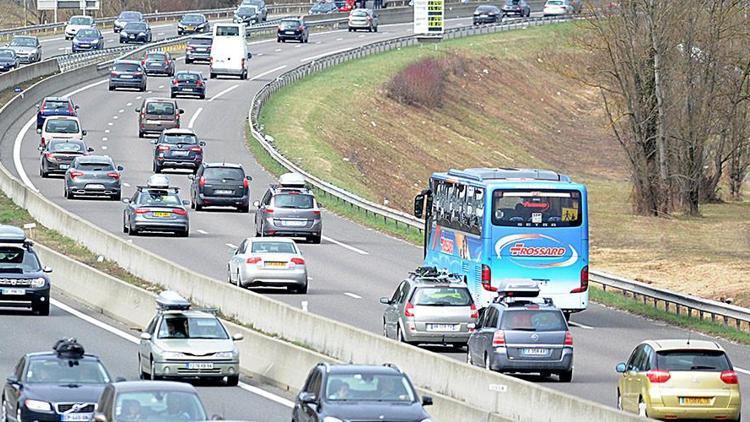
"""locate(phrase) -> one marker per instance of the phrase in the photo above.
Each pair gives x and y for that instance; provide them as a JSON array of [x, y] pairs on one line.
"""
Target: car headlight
[[124, 33], [331, 419], [171, 355], [38, 405], [95, 42], [426, 420], [224, 355], [141, 34], [38, 282]]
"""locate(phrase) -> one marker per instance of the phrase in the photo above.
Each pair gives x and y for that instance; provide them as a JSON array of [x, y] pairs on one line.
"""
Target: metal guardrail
[[77, 60], [677, 303]]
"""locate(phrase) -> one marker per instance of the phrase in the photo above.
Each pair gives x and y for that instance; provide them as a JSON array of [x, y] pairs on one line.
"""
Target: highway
[[115, 345], [354, 266]]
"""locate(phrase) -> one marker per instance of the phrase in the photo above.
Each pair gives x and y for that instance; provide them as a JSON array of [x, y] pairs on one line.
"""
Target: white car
[[76, 23], [557, 8], [268, 262], [60, 127]]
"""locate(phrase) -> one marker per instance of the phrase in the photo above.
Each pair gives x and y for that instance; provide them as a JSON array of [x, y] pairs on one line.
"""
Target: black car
[[127, 74], [198, 48], [192, 23], [247, 14], [220, 184], [23, 281], [55, 106], [359, 392], [63, 384], [188, 83], [323, 8], [158, 63], [486, 14], [8, 60], [516, 8], [58, 154], [177, 148], [261, 5], [292, 29], [136, 32]]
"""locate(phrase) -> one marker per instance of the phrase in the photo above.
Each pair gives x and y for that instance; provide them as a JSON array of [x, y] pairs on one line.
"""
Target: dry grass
[[508, 107]]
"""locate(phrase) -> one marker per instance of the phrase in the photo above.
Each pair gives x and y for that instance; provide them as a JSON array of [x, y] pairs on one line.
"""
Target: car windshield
[[273, 247], [156, 198], [130, 16], [23, 42], [158, 406], [359, 12], [81, 20], [18, 260], [65, 146], [227, 173], [485, 9], [126, 67], [159, 108], [512, 2], [181, 326], [369, 387], [193, 19], [8, 54], [320, 7], [247, 10], [555, 3], [542, 208], [174, 139], [293, 200], [88, 166], [290, 24], [61, 126], [533, 320], [138, 26], [201, 41], [692, 360], [56, 105], [156, 57], [441, 296], [187, 77], [66, 371], [87, 33]]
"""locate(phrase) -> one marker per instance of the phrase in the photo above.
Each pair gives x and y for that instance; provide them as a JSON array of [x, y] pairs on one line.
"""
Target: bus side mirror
[[418, 205]]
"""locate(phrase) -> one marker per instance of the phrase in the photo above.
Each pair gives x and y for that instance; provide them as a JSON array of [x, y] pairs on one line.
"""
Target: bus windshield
[[536, 208]]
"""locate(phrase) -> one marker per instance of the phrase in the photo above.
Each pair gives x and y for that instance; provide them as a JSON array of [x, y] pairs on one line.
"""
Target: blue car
[[88, 39], [55, 106], [8, 60]]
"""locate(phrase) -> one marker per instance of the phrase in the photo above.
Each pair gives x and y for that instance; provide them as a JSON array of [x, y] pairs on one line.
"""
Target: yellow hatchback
[[679, 379]]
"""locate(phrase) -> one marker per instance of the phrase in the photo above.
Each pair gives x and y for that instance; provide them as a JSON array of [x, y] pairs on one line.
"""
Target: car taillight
[[113, 174], [141, 210], [179, 211], [50, 156], [196, 149], [199, 83], [163, 148], [143, 62], [280, 28], [252, 260], [43, 106], [71, 110], [167, 62], [487, 279], [268, 210], [498, 339], [409, 310], [658, 376], [174, 82], [568, 339], [190, 48], [202, 181], [474, 311], [301, 28], [316, 212], [43, 142], [584, 281], [729, 377], [138, 74], [297, 261], [245, 183], [75, 173]]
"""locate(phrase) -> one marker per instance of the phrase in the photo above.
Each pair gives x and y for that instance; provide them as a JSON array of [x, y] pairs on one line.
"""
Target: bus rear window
[[542, 208]]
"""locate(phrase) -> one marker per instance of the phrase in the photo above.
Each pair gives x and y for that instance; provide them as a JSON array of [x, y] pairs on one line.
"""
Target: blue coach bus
[[494, 226]]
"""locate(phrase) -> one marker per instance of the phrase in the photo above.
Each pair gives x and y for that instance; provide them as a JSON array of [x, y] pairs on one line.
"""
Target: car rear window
[[223, 173], [158, 198], [201, 41], [81, 20], [359, 13], [273, 247], [187, 76], [61, 126], [135, 26], [693, 360], [533, 320], [555, 3], [156, 57], [174, 139], [160, 109], [290, 24], [126, 67], [95, 166], [55, 105], [293, 200], [130, 15], [485, 9], [66, 147], [17, 260], [23, 42], [441, 296]]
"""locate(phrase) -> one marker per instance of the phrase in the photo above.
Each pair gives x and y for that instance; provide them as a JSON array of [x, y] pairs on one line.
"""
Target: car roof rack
[[434, 273], [518, 289], [68, 348], [170, 300], [393, 365]]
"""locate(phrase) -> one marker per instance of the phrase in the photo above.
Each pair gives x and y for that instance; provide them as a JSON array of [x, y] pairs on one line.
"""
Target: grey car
[[430, 306], [157, 114], [198, 48], [28, 49], [58, 154], [220, 184], [289, 209], [149, 400], [127, 74], [261, 5], [523, 335], [275, 262], [93, 175], [156, 209], [158, 63]]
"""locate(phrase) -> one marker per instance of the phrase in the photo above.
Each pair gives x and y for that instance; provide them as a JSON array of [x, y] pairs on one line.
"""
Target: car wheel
[[132, 231], [67, 193], [350, 30], [140, 134], [566, 376], [156, 168], [369, 29], [487, 364], [544, 374], [212, 76], [43, 309], [198, 206], [278, 39], [188, 61], [203, 96], [244, 209], [43, 173], [117, 196], [233, 380], [283, 40], [172, 95], [400, 335], [468, 358], [375, 29], [307, 38], [184, 233], [315, 239], [642, 408], [153, 375], [124, 226], [111, 88], [298, 290]]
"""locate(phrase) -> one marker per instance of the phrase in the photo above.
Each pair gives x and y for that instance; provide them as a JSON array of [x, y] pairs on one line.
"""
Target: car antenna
[[690, 333]]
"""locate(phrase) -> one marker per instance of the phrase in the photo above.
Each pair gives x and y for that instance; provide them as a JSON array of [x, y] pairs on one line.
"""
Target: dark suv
[[289, 209], [292, 29], [220, 184], [359, 392], [177, 148], [23, 281], [518, 332]]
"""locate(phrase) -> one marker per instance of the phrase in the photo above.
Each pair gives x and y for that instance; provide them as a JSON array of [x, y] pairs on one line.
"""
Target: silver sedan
[[93, 175], [274, 262]]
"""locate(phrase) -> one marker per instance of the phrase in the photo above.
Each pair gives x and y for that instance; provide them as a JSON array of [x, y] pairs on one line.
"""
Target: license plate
[[191, 28], [132, 36], [483, 16], [187, 89], [276, 264], [202, 50], [290, 32], [95, 187], [295, 223], [695, 400], [223, 192], [64, 166], [161, 214], [76, 417], [14, 292], [534, 352], [153, 122], [84, 45], [200, 365], [126, 76], [179, 153], [442, 327]]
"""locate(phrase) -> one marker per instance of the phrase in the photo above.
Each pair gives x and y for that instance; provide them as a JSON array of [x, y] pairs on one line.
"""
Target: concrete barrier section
[[27, 73]]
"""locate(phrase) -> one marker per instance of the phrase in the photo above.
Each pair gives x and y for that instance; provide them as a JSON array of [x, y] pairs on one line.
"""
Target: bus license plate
[[200, 365], [695, 400], [534, 352], [14, 292], [442, 327]]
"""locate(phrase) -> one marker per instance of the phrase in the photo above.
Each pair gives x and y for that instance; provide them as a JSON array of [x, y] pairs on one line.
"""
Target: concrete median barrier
[[27, 73]]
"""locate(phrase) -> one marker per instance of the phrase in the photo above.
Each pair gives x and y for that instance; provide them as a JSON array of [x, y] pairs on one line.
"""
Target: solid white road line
[[325, 54], [202, 231], [579, 325], [344, 245], [195, 116], [742, 371], [266, 73], [233, 246], [135, 340], [353, 295], [222, 92]]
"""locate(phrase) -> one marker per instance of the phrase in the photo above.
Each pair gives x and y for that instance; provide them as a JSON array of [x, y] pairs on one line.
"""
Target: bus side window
[[478, 212]]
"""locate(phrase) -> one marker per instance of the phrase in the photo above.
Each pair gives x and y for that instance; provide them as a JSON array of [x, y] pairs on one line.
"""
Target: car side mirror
[[202, 143], [120, 168], [185, 202], [125, 200], [83, 132], [182, 111], [256, 204], [620, 368], [426, 401], [249, 177], [145, 336], [191, 176], [38, 105], [308, 398], [39, 131], [120, 379], [47, 269], [40, 148], [76, 107], [89, 149], [99, 418], [249, 55], [238, 337], [12, 380], [138, 110], [385, 301]]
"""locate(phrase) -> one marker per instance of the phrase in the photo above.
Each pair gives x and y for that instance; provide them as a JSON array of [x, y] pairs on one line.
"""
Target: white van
[[229, 53]]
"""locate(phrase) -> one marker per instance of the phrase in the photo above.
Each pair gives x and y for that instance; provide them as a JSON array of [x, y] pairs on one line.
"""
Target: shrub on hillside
[[419, 84]]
